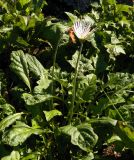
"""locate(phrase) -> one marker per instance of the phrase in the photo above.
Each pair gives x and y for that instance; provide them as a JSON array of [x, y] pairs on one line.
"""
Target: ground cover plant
[[66, 85]]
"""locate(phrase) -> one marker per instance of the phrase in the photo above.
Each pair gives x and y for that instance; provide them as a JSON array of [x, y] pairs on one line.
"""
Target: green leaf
[[114, 50], [125, 22], [32, 22], [74, 59], [7, 109], [19, 133], [72, 17], [31, 156], [51, 114], [5, 29], [21, 22], [38, 5], [126, 133], [108, 2], [24, 2], [35, 66], [85, 63], [86, 87], [123, 8], [113, 139], [32, 100], [43, 84], [6, 122], [104, 121], [104, 103], [53, 32], [20, 67], [13, 156], [127, 112], [90, 89], [82, 136], [120, 81], [22, 42], [90, 156]]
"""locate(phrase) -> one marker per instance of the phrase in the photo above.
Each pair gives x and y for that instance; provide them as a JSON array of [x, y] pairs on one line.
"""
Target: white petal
[[82, 29]]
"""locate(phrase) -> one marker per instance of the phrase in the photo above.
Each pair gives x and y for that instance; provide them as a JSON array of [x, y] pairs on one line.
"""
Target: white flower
[[82, 29]]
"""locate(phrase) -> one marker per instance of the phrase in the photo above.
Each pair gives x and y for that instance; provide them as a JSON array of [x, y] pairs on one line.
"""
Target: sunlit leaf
[[7, 109], [35, 99], [22, 22], [43, 84], [72, 17], [82, 136], [113, 139], [20, 67], [90, 156], [114, 50], [13, 156], [6, 122], [90, 89], [35, 66], [22, 42], [51, 114], [19, 133], [126, 133], [5, 29], [123, 8], [24, 2], [108, 2], [32, 156], [104, 121]]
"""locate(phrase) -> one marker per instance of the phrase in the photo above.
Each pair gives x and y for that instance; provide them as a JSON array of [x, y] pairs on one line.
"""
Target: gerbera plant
[[82, 30]]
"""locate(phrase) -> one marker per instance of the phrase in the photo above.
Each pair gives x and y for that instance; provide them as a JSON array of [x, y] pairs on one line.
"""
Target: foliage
[[37, 68]]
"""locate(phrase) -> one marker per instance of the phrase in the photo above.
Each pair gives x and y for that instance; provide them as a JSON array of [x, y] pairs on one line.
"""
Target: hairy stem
[[71, 112], [54, 63]]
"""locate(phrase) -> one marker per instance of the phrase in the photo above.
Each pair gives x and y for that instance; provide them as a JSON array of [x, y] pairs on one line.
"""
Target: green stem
[[54, 62], [0, 88], [113, 105], [74, 84]]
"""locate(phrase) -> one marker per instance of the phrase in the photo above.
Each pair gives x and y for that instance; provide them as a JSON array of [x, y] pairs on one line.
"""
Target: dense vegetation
[[44, 113]]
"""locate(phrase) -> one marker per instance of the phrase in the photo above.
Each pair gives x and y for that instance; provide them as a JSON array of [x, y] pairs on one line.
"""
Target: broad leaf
[[6, 122], [103, 121], [54, 32], [13, 156], [20, 67], [108, 2], [90, 156], [85, 63], [7, 109], [86, 88], [32, 100], [19, 133], [51, 114], [31, 156], [72, 17], [21, 22], [82, 136], [124, 8], [126, 133], [21, 42], [35, 66], [43, 84], [114, 50], [5, 29], [24, 2]]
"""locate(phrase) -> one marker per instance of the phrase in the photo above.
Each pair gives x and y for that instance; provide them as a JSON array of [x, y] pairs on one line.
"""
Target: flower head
[[82, 29]]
